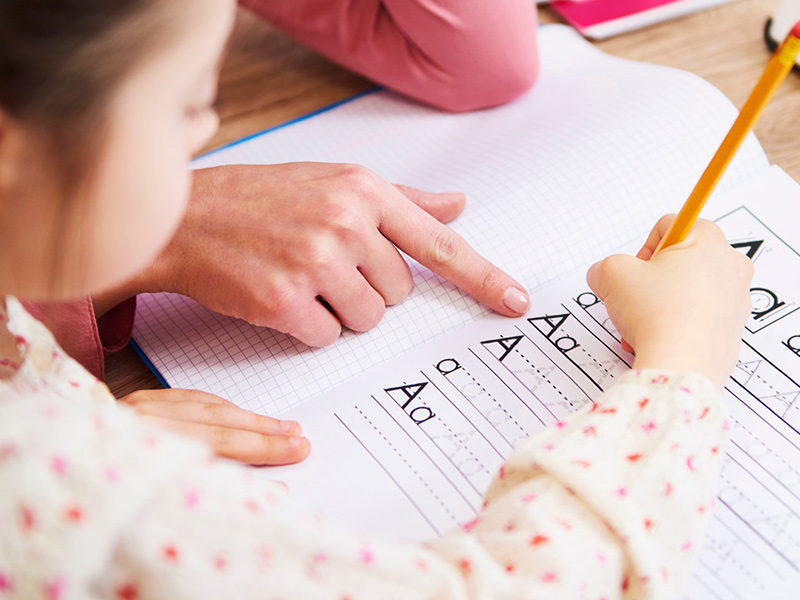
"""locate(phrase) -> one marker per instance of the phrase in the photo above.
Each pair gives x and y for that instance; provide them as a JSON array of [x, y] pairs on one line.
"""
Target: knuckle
[[710, 230], [359, 178], [259, 423], [489, 281], [327, 337], [308, 254], [279, 303], [405, 285], [664, 222], [322, 335], [220, 437], [373, 313], [269, 448], [213, 412], [319, 257], [401, 288], [606, 267], [706, 224], [255, 422], [443, 250], [344, 221], [610, 270], [134, 398]]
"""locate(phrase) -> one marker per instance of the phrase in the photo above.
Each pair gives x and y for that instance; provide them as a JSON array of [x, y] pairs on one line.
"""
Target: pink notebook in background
[[599, 19]]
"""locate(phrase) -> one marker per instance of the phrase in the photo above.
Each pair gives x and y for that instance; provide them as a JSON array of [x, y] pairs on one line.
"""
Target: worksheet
[[409, 449], [589, 159]]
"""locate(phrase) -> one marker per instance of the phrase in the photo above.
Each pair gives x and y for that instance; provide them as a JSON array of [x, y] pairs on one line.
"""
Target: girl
[[95, 134]]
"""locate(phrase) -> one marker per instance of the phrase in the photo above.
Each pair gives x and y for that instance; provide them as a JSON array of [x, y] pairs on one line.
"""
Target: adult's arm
[[458, 55]]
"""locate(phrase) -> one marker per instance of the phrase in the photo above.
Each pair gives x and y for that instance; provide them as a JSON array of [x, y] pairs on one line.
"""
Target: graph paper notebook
[[590, 158]]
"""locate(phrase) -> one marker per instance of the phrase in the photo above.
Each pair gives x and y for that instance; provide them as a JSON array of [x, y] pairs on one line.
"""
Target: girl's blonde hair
[[60, 63]]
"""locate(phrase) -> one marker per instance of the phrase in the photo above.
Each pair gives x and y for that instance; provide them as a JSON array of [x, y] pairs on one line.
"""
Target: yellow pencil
[[778, 67]]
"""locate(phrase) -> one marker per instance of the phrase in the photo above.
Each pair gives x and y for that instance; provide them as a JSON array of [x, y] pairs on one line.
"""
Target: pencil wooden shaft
[[778, 67]]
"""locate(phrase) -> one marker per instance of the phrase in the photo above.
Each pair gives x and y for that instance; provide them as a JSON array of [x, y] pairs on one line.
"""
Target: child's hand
[[684, 309], [231, 431]]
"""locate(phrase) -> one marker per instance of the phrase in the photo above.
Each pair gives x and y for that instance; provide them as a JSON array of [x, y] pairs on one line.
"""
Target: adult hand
[[683, 309], [231, 431], [306, 248]]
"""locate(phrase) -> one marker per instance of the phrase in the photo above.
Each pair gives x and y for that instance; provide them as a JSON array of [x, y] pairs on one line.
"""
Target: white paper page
[[588, 159], [408, 449]]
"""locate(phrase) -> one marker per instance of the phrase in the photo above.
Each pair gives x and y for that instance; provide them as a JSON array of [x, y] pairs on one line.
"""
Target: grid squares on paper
[[585, 162]]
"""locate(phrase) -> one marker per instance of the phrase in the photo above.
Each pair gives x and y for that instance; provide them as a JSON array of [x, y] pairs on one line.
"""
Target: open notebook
[[587, 160]]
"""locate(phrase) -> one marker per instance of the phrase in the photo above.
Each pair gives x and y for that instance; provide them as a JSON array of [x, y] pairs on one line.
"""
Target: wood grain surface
[[268, 79]]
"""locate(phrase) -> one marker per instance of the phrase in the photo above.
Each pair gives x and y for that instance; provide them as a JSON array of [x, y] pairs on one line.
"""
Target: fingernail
[[516, 300], [297, 442], [291, 427]]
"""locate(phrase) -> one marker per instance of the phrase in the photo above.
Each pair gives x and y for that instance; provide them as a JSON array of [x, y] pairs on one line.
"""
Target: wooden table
[[269, 79]]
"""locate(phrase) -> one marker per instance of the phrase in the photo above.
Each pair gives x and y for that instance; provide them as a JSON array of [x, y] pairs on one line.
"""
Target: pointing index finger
[[446, 253]]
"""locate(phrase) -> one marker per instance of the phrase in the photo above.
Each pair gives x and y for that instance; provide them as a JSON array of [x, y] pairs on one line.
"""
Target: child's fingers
[[245, 446], [658, 232], [231, 431], [171, 395], [612, 273], [703, 229], [223, 414], [293, 427], [709, 232]]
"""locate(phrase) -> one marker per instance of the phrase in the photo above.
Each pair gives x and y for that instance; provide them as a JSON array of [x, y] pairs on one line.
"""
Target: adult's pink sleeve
[[81, 334], [455, 54]]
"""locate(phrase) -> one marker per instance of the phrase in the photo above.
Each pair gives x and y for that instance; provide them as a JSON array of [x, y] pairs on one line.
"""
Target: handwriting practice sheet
[[408, 449], [594, 154]]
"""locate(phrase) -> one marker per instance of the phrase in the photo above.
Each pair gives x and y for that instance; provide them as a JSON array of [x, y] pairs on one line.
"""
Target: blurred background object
[[783, 19], [599, 19]]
